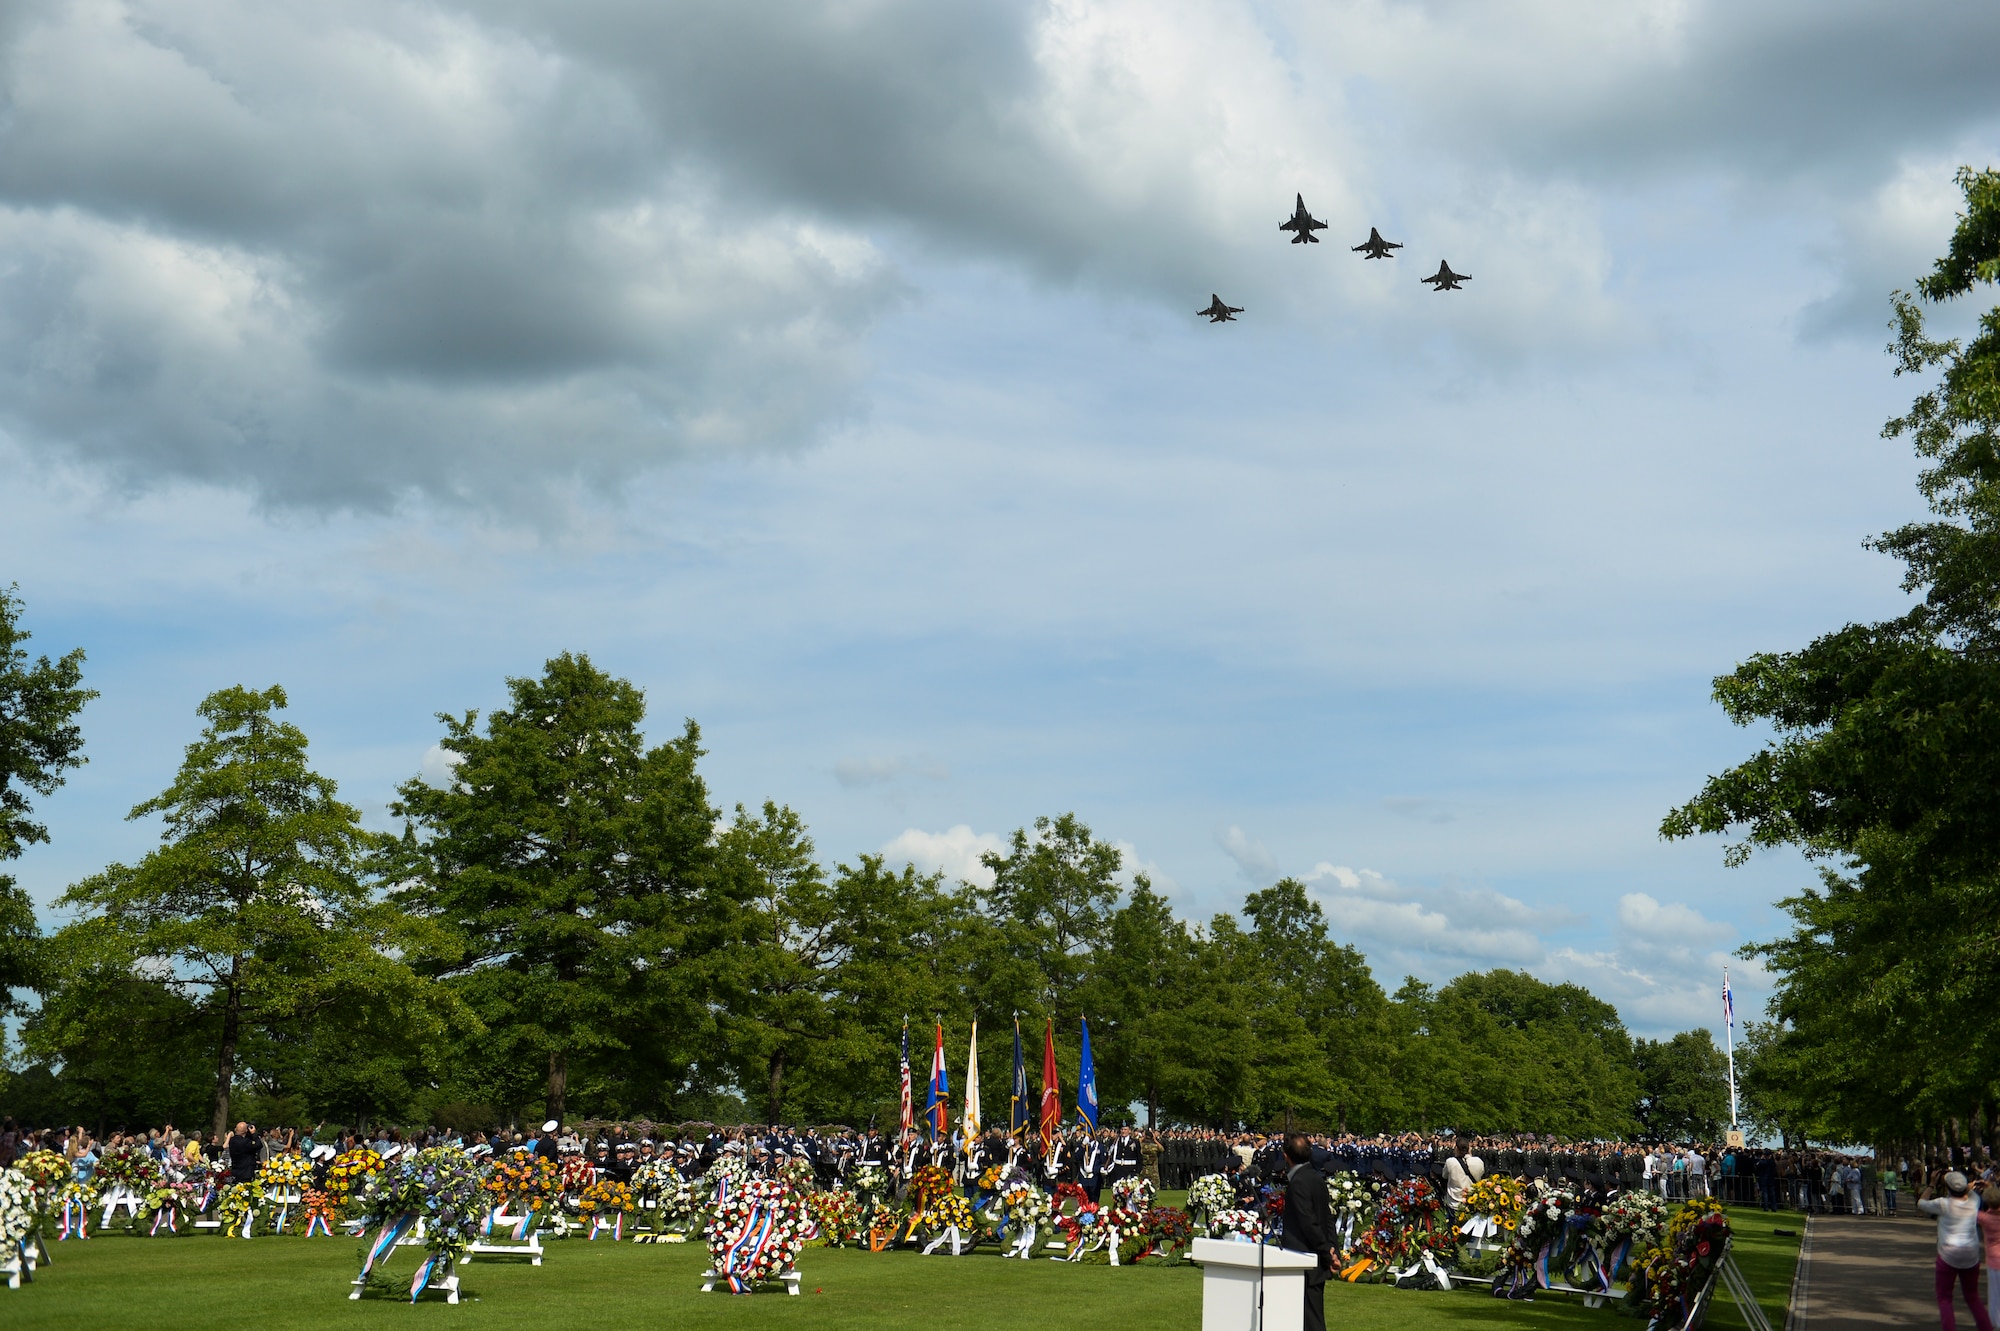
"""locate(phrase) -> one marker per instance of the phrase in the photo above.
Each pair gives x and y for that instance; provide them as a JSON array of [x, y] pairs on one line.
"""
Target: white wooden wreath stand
[[712, 1277], [121, 1196], [529, 1245]]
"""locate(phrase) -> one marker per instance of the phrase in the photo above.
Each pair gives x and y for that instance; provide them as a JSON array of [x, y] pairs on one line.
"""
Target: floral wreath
[[524, 1177], [285, 1173], [46, 1171], [1636, 1217], [128, 1167], [577, 1174], [725, 1178], [1674, 1272], [871, 1181], [167, 1196], [757, 1234], [441, 1186], [797, 1173], [942, 1212], [1497, 1198], [836, 1213], [1412, 1229], [1134, 1193], [1169, 1229], [1237, 1223], [927, 1183], [1211, 1194], [1026, 1204], [350, 1168], [604, 1196], [239, 1209], [652, 1175], [20, 1214]]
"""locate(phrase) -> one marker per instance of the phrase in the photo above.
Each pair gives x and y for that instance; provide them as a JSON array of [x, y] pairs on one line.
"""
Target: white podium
[[1229, 1286]]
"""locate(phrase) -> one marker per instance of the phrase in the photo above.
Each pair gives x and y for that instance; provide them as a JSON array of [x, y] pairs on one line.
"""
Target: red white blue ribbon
[[748, 1246]]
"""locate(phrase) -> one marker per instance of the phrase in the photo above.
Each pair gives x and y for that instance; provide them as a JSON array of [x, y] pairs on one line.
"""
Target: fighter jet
[[1218, 313], [1303, 224], [1444, 279], [1377, 248]]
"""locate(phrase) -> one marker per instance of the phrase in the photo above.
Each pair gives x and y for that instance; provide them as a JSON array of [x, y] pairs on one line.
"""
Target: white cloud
[[560, 244], [438, 765], [1662, 965], [855, 773], [1131, 863], [1363, 906], [954, 851], [1253, 860], [1654, 925]]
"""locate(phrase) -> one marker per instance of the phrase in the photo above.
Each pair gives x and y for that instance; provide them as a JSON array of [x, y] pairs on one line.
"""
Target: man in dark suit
[[1308, 1224]]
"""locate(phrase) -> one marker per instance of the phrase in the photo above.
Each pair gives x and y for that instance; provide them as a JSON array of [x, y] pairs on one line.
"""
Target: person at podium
[[1308, 1224]]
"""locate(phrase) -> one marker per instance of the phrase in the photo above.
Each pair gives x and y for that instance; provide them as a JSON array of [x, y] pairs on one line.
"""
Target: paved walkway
[[1865, 1272]]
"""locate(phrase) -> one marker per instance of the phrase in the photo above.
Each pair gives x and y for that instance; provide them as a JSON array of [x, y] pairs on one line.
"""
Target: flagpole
[[1729, 1038]]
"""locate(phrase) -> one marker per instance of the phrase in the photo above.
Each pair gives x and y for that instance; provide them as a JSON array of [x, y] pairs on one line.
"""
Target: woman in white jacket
[[1958, 1249]]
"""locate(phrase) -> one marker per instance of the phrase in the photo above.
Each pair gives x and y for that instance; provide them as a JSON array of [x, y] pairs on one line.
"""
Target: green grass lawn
[[275, 1283]]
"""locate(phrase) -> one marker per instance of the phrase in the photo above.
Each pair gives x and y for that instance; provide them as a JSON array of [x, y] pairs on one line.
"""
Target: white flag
[[972, 1090]]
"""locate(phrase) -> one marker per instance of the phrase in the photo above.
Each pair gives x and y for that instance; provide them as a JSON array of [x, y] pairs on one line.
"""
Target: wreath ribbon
[[747, 1248], [319, 1218], [384, 1241], [423, 1280]]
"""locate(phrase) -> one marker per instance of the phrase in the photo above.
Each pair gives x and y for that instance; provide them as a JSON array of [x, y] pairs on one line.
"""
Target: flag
[[1728, 1004], [1019, 1115], [972, 1088], [1051, 1088], [908, 1120], [936, 1110], [1086, 1082]]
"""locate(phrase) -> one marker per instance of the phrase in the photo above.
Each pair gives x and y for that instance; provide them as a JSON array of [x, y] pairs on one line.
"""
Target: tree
[[132, 1050], [253, 905], [1886, 763], [784, 1006], [1501, 1051], [1053, 896], [1335, 993], [1683, 1087], [40, 740], [567, 870]]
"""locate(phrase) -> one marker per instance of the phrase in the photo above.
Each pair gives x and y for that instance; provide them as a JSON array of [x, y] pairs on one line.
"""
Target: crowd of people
[[1173, 1158]]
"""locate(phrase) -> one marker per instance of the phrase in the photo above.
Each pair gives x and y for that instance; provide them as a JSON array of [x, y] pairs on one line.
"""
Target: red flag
[[1051, 1091]]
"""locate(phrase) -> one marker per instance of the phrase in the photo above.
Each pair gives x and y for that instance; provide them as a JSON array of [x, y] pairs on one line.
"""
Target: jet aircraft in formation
[[1375, 247], [1302, 224], [1444, 279], [1218, 313]]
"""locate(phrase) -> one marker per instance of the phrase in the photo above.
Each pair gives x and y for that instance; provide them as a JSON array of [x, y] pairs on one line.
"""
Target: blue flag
[[1086, 1082], [1020, 1116]]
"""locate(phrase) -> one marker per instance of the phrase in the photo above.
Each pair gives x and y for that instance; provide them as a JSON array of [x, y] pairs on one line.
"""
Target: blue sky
[[838, 382]]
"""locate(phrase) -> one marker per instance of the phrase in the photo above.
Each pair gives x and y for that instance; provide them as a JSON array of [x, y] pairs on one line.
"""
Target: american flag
[[909, 1117]]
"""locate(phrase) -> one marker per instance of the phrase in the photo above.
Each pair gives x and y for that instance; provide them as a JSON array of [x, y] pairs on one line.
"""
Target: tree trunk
[[558, 1084], [1153, 1106], [775, 1105], [225, 1058]]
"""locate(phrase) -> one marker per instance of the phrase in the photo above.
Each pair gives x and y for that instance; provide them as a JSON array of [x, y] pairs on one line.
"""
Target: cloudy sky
[[831, 370]]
